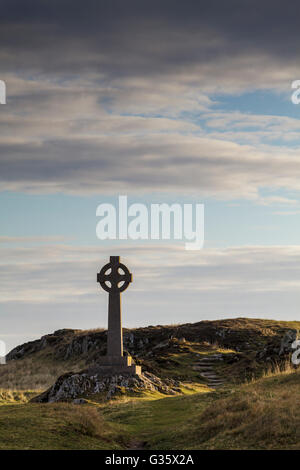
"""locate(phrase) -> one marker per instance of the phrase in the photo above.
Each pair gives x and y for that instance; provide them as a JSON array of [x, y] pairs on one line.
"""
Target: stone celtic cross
[[114, 278]]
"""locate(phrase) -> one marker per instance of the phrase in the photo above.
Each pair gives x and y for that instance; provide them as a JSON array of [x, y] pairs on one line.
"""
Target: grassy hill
[[264, 414], [256, 408]]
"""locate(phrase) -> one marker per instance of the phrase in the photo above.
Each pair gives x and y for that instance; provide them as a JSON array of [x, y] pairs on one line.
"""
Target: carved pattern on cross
[[113, 274]]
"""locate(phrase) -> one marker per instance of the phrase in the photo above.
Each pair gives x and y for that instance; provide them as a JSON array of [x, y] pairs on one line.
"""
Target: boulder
[[77, 386]]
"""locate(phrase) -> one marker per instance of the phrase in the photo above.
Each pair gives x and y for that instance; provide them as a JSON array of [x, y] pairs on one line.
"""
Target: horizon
[[93, 330]]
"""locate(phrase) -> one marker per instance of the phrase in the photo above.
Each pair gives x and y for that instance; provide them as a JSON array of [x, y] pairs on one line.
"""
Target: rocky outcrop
[[262, 340], [53, 340], [278, 350], [287, 341], [78, 386]]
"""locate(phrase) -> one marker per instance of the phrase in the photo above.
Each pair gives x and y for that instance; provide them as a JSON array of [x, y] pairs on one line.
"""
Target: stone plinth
[[118, 365]]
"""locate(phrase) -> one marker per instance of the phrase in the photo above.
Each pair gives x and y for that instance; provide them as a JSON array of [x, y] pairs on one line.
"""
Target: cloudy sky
[[164, 101]]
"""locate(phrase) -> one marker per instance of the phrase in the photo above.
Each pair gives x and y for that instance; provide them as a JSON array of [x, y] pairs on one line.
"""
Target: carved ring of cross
[[114, 277]]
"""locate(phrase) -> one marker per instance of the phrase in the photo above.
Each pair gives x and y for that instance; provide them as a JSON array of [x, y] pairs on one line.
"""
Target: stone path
[[205, 366]]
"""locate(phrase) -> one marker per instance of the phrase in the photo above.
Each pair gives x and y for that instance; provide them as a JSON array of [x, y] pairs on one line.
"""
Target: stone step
[[206, 362], [210, 366], [205, 367], [208, 374], [209, 358], [214, 381]]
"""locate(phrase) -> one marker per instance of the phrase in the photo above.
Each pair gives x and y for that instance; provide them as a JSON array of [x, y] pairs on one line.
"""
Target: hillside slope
[[264, 414], [249, 346], [256, 406]]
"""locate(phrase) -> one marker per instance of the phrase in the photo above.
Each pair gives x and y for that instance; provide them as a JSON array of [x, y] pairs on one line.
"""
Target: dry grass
[[279, 369], [15, 396], [91, 330], [217, 346], [34, 373], [274, 370], [56, 426], [86, 420], [262, 415]]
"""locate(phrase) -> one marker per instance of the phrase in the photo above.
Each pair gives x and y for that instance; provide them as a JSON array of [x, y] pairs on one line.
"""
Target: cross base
[[110, 365], [115, 360]]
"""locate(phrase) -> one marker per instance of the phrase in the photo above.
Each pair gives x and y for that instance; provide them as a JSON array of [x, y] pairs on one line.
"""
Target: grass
[[262, 413], [40, 369], [35, 372], [15, 396], [177, 359], [156, 422], [56, 426]]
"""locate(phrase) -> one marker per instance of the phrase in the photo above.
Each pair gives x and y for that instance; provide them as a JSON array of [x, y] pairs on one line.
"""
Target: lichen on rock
[[72, 386]]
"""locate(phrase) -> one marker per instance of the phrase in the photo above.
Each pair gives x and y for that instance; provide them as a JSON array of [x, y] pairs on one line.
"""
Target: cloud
[[252, 128], [161, 162], [109, 99], [287, 212], [278, 200], [50, 274], [44, 288], [54, 238], [191, 41]]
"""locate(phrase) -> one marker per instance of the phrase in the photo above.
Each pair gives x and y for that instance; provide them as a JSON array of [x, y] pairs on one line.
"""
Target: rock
[[52, 340], [221, 333], [286, 342], [76, 386], [161, 345], [131, 338], [244, 336], [79, 401]]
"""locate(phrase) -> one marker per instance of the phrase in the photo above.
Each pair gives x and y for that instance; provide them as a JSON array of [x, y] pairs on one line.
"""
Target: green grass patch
[[56, 426], [260, 415]]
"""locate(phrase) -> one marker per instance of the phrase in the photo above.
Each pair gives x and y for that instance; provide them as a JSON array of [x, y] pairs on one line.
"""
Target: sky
[[162, 101]]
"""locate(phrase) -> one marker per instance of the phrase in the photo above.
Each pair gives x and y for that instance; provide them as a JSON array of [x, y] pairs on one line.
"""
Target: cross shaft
[[114, 278]]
